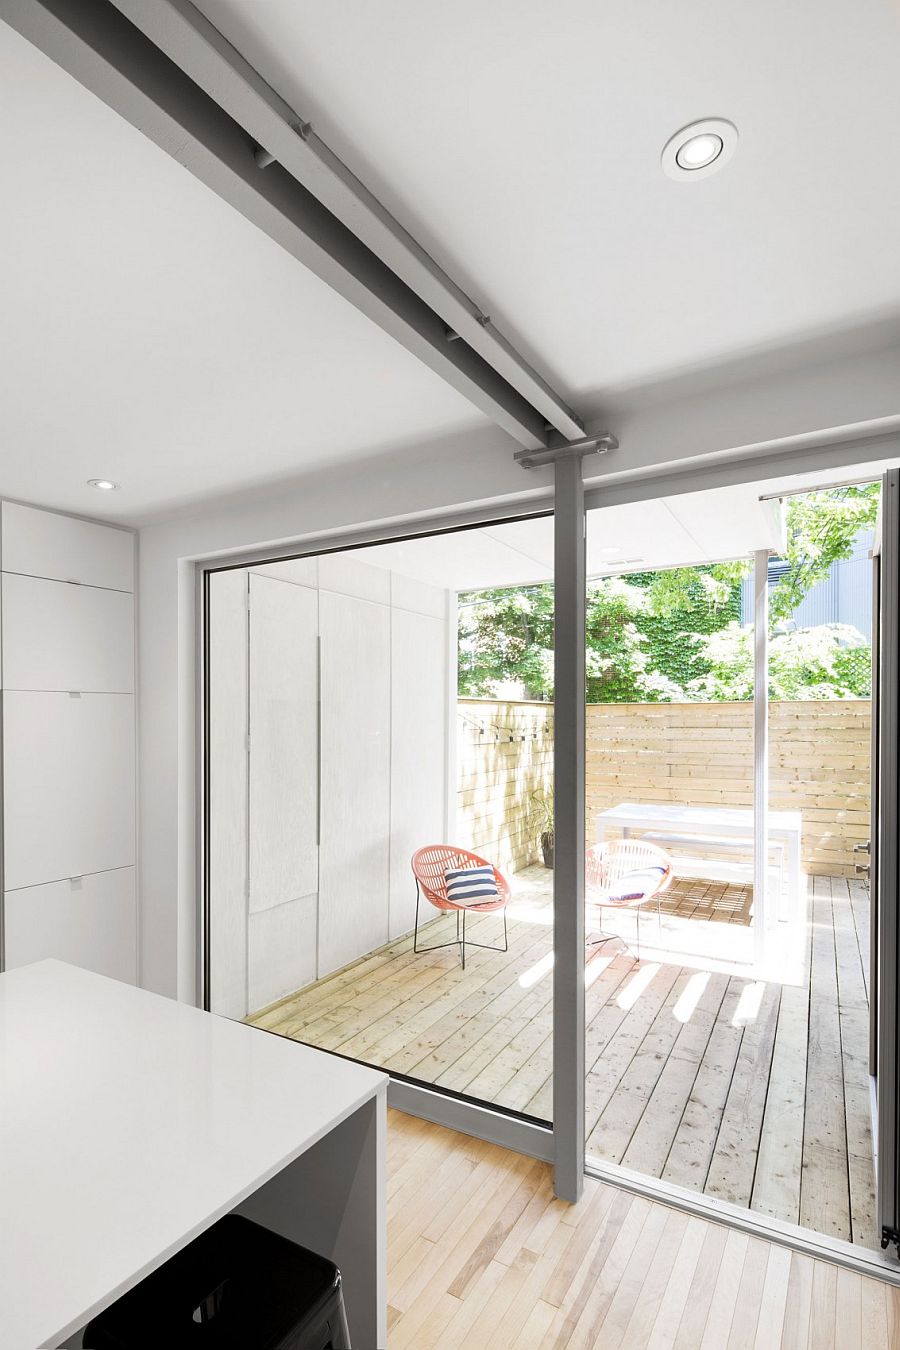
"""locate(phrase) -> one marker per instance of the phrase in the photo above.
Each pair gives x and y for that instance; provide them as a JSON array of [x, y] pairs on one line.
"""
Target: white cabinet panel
[[227, 786], [282, 951], [89, 922], [343, 573], [355, 777], [57, 636], [69, 785], [418, 752], [408, 593], [301, 571], [284, 742], [43, 544]]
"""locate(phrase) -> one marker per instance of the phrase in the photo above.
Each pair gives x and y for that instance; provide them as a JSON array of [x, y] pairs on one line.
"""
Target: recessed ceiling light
[[699, 149], [103, 484]]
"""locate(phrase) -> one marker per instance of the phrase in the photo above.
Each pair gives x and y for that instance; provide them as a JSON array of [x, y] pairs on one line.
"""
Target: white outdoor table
[[129, 1123], [726, 822]]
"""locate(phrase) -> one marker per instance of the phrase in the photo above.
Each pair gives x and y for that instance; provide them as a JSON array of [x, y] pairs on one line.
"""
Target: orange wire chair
[[429, 865], [606, 866]]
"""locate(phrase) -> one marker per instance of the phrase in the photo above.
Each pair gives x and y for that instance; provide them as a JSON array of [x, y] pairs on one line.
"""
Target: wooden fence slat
[[692, 753]]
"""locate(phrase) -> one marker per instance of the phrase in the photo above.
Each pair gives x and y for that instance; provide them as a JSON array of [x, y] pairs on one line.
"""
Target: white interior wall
[[332, 672], [748, 422]]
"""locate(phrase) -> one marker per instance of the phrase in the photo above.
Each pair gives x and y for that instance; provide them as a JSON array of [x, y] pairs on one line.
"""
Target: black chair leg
[[460, 940]]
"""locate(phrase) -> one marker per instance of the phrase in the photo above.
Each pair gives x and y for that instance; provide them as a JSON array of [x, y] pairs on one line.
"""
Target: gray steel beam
[[188, 38], [100, 47], [568, 856]]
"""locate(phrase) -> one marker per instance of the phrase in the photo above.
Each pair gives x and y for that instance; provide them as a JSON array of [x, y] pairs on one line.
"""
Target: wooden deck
[[757, 1093]]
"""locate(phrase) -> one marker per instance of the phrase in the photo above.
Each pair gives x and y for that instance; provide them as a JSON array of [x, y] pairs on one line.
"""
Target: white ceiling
[[520, 142], [668, 532], [151, 335], [680, 531]]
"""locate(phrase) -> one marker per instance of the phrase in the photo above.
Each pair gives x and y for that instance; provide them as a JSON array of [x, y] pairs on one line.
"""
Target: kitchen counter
[[129, 1123]]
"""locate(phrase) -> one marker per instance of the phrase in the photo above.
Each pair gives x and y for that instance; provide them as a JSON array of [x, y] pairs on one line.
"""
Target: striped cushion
[[471, 885]]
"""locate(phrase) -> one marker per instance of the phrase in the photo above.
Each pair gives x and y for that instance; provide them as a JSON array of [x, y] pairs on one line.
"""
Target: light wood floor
[[481, 1255], [756, 1093]]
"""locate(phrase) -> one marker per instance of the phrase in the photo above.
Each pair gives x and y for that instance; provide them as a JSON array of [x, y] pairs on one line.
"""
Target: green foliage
[[821, 529], [644, 634], [684, 605], [672, 635], [506, 635], [829, 661]]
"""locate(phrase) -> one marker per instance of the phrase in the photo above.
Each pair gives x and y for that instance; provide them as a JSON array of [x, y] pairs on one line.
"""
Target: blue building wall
[[845, 596]]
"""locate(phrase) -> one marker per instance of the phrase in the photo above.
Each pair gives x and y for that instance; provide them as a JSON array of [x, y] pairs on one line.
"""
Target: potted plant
[[542, 819]]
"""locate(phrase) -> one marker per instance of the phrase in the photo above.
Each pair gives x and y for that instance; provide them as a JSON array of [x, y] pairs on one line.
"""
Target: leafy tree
[[685, 604], [831, 660], [506, 635], [674, 634], [821, 529], [619, 658]]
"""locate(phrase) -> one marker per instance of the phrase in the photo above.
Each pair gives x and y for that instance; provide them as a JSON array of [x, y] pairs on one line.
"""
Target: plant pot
[[547, 841]]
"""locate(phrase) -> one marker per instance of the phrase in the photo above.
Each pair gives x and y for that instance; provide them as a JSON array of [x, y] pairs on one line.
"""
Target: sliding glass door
[[380, 720], [887, 871], [647, 723], [727, 981]]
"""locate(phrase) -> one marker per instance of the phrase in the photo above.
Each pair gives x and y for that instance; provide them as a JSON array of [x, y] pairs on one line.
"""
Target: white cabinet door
[[284, 742], [89, 922], [345, 574], [282, 951], [68, 804], [355, 778], [419, 727], [44, 544], [59, 637]]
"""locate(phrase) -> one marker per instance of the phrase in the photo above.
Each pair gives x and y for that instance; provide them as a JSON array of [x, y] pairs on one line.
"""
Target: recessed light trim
[[699, 149], [103, 484]]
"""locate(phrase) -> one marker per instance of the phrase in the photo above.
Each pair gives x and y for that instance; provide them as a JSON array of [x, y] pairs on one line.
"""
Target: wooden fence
[[690, 753], [504, 756]]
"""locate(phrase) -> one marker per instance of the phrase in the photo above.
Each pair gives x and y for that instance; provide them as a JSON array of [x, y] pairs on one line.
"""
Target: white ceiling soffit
[[682, 531], [153, 336], [520, 143]]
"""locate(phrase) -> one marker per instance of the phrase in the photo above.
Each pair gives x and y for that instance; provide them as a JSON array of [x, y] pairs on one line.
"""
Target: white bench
[[702, 823], [707, 848]]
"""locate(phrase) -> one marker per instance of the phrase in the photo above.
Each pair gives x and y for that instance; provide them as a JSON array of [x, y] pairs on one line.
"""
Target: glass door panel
[[381, 719]]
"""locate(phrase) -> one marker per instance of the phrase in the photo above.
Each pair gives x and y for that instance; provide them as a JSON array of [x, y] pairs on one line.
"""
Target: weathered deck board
[[758, 1094], [825, 1185]]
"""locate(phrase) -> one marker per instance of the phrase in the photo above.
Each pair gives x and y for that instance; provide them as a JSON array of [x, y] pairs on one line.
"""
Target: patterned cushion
[[471, 885]]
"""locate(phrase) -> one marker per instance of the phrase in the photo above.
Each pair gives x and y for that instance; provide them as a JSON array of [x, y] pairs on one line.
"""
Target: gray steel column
[[568, 876]]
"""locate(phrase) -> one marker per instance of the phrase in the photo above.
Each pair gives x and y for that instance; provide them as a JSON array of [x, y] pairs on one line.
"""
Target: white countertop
[[128, 1124]]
